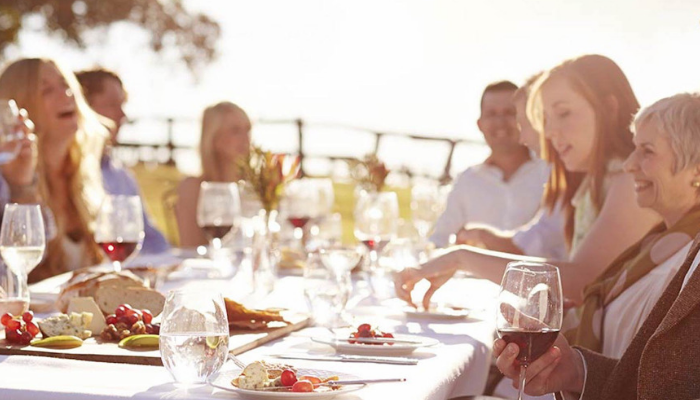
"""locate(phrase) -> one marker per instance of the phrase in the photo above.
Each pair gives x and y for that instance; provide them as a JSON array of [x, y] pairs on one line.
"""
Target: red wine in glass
[[216, 231], [299, 222], [532, 344], [118, 251], [375, 245]]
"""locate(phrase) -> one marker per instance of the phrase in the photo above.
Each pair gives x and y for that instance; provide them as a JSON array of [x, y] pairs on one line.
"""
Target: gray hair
[[678, 117]]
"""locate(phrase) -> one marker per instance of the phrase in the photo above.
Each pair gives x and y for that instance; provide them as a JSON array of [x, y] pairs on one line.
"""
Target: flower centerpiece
[[370, 173], [267, 173]]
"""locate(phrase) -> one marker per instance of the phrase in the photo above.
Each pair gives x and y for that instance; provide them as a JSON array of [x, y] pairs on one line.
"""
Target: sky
[[393, 65]]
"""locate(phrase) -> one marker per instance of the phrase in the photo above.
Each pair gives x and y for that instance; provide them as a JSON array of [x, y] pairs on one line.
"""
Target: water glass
[[194, 335], [327, 290]]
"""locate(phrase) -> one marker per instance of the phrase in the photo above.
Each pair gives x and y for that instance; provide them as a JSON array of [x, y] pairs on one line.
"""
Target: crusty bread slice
[[86, 284], [109, 297]]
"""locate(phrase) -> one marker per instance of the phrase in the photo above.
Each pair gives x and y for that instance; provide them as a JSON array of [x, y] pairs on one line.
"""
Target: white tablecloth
[[456, 367]]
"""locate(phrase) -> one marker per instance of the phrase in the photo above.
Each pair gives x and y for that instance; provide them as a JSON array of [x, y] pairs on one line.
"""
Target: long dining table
[[457, 366]]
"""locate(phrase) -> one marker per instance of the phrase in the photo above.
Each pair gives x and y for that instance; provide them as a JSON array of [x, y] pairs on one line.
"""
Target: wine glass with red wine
[[218, 210], [530, 310], [119, 228], [300, 205], [376, 224]]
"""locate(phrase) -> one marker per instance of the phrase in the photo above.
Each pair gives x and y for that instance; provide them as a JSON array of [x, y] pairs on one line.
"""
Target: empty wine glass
[[119, 228], [376, 224], [194, 335], [10, 134], [530, 310], [218, 210], [425, 207], [22, 245]]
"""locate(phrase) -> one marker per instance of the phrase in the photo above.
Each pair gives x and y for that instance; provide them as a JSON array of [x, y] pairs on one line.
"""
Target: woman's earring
[[695, 184]]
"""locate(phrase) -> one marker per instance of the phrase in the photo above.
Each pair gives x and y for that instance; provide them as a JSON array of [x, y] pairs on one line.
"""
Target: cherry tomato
[[288, 377], [388, 335], [313, 379], [28, 316], [364, 327], [302, 386], [6, 318]]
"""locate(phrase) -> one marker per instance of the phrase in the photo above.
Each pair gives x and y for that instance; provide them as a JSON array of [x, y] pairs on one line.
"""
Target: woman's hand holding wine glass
[[529, 315]]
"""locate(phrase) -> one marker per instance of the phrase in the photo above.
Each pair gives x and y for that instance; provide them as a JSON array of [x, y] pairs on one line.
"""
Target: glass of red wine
[[119, 228], [218, 211], [300, 205], [530, 310], [376, 224]]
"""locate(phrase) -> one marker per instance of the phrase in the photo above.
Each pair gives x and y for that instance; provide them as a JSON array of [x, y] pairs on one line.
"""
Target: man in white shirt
[[505, 190]]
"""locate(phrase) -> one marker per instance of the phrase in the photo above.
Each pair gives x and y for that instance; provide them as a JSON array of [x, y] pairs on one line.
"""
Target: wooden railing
[[169, 147]]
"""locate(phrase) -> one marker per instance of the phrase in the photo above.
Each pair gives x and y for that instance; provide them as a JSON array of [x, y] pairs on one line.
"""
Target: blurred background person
[[70, 140], [104, 92], [544, 235], [224, 142], [584, 106], [505, 190]]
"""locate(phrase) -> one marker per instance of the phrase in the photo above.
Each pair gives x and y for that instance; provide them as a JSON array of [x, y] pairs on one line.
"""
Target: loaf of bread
[[85, 284], [109, 297]]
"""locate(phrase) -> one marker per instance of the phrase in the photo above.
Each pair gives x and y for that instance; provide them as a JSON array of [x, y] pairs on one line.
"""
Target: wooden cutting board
[[240, 341]]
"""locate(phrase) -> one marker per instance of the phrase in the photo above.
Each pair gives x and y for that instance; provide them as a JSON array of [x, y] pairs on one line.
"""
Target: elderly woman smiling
[[665, 166], [666, 169]]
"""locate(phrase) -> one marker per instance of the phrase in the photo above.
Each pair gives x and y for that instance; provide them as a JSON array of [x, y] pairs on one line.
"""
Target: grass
[[156, 181]]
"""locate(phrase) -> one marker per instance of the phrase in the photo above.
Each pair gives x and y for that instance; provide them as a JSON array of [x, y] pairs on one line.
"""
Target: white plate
[[396, 349], [222, 380], [438, 313]]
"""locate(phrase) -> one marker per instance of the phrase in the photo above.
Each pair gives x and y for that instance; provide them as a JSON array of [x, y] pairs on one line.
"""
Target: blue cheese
[[254, 376], [75, 324]]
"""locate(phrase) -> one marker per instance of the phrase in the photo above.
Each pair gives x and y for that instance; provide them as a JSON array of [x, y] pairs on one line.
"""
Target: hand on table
[[559, 369], [437, 271]]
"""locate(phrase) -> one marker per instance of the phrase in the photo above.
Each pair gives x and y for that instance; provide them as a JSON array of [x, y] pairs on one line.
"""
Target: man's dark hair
[[497, 87], [92, 80]]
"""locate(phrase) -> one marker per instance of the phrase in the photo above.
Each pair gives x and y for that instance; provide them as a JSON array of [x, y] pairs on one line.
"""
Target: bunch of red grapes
[[19, 330], [366, 331], [125, 314]]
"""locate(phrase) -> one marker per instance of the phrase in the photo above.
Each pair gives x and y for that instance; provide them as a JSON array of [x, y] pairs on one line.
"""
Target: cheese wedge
[[73, 324], [88, 305]]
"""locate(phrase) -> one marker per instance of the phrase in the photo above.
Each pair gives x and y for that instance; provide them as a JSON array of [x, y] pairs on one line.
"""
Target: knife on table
[[349, 358]]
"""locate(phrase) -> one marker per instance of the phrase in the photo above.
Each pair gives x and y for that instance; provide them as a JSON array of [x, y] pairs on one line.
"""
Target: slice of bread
[[86, 284], [109, 297]]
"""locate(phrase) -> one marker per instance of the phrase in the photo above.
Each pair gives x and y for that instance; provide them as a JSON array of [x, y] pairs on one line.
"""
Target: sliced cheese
[[74, 324], [88, 305]]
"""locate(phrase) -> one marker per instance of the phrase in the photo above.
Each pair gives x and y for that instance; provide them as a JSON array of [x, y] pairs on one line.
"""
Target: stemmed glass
[[194, 335], [119, 228], [10, 135], [530, 310], [300, 205], [22, 245], [218, 210], [425, 208], [341, 260], [376, 224]]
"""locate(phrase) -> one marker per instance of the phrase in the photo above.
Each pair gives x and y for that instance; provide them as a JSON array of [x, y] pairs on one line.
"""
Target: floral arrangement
[[267, 173], [370, 173]]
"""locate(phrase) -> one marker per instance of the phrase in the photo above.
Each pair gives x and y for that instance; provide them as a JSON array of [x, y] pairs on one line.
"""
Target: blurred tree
[[170, 25]]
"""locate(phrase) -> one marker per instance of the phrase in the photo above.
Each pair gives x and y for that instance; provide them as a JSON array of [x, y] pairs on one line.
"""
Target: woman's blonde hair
[[212, 119], [21, 81], [605, 87]]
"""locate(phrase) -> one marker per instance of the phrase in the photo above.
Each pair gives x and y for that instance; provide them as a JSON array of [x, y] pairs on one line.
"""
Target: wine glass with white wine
[[22, 245]]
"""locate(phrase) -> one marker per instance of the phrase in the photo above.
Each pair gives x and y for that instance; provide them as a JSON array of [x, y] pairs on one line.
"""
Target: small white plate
[[396, 349], [438, 313], [222, 380]]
